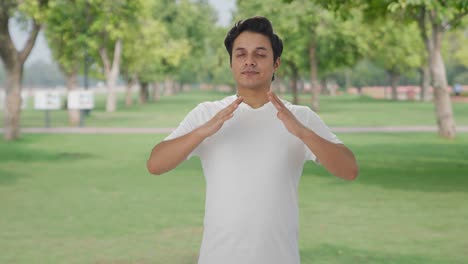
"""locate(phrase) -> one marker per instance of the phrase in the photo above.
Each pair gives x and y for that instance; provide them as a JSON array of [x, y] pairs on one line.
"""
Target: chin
[[253, 85]]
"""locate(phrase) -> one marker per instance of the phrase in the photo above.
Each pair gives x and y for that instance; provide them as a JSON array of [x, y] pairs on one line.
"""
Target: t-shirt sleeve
[[316, 124], [193, 120]]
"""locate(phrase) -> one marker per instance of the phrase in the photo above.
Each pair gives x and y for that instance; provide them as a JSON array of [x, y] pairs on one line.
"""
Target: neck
[[254, 98]]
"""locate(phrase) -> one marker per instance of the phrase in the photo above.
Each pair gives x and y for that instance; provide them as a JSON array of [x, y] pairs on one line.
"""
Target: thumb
[[280, 116]]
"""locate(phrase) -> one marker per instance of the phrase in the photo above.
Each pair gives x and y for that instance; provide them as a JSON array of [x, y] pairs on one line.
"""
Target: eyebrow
[[257, 48]]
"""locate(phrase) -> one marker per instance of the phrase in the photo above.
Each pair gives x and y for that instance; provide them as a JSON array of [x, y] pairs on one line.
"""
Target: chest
[[254, 138]]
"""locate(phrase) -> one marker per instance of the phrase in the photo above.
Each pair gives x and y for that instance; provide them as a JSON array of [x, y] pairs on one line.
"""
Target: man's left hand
[[291, 123]]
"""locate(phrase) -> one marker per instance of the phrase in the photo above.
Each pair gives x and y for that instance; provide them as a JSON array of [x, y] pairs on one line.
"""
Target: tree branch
[[7, 47], [24, 53], [117, 55], [455, 20], [105, 61], [443, 3]]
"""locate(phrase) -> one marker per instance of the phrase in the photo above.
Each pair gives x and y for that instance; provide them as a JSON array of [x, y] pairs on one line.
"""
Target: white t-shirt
[[252, 167]]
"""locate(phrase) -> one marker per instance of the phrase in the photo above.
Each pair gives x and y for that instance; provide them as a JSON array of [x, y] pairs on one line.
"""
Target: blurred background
[[88, 87]]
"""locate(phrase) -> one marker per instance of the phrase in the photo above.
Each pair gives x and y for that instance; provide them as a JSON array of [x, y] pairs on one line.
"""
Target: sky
[[42, 52]]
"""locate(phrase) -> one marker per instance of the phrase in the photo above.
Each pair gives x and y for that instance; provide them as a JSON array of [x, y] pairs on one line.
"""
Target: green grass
[[346, 110], [88, 199]]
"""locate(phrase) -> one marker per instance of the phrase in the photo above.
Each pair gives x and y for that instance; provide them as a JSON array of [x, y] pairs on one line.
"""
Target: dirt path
[[166, 130]]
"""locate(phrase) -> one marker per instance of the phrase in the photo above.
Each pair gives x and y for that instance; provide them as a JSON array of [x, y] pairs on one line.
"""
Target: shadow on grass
[[26, 154], [334, 254], [416, 167], [8, 177], [22, 151]]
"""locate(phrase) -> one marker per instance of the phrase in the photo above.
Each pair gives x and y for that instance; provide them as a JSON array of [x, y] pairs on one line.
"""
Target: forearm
[[166, 155], [336, 158]]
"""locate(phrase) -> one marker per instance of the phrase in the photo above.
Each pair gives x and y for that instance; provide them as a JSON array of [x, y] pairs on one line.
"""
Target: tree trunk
[[425, 82], [425, 68], [178, 87], [348, 79], [12, 111], [443, 105], [72, 84], [129, 90], [294, 88], [315, 87], [323, 86], [156, 91], [13, 60], [168, 86], [294, 79], [112, 73], [394, 80], [144, 92], [300, 85]]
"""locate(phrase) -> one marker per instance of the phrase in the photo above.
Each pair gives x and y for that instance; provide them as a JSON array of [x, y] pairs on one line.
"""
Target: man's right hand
[[215, 123], [168, 154]]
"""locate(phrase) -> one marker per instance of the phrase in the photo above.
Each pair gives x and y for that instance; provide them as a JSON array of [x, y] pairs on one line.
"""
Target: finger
[[276, 98], [231, 107], [278, 104], [237, 101], [227, 117], [235, 104]]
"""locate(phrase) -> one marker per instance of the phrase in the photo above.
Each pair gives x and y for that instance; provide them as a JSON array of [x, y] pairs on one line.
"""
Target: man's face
[[252, 60]]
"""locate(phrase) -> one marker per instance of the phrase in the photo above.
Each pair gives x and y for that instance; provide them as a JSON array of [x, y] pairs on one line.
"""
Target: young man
[[252, 146]]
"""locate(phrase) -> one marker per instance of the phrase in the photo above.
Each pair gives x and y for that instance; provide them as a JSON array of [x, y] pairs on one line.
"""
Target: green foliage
[[149, 47], [455, 49], [340, 43], [67, 33], [444, 15], [32, 9], [195, 21], [396, 47]]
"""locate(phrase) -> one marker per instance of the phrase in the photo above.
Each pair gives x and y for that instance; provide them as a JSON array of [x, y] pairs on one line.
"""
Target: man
[[252, 146]]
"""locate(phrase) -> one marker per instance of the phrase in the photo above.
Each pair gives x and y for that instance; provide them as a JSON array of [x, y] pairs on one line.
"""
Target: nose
[[250, 61]]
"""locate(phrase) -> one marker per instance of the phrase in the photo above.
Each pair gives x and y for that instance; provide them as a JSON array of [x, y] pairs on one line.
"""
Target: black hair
[[257, 24]]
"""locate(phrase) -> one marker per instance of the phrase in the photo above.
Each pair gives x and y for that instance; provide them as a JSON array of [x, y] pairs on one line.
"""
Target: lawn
[[345, 110], [88, 199]]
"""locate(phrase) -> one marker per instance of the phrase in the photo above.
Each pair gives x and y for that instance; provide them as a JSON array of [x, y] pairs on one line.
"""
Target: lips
[[249, 72]]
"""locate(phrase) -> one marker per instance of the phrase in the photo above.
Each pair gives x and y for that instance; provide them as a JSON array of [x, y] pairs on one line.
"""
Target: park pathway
[[166, 130]]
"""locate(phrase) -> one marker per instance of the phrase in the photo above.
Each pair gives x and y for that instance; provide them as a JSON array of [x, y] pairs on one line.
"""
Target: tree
[[326, 41], [110, 22], [436, 17], [195, 22], [66, 32], [396, 48], [32, 13]]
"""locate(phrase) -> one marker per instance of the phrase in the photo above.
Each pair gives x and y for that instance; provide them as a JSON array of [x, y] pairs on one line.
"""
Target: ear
[[277, 63]]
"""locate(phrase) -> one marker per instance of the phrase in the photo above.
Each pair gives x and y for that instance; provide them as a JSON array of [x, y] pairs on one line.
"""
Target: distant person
[[252, 146], [457, 89]]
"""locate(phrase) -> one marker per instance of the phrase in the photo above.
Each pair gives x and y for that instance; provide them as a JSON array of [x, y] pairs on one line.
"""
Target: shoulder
[[210, 108]]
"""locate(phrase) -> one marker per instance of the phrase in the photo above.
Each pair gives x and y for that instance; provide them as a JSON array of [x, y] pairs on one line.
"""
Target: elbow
[[349, 174], [153, 168], [352, 173]]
